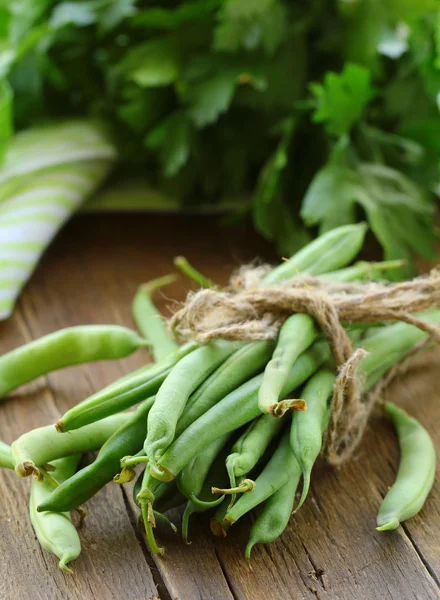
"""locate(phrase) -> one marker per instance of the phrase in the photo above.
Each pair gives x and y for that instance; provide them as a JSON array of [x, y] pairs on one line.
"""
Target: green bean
[[390, 344], [328, 252], [170, 501], [274, 517], [250, 447], [416, 474], [307, 430], [149, 321], [54, 530], [127, 439], [295, 336], [40, 446], [187, 269], [215, 474], [64, 348], [217, 524], [173, 394], [281, 467], [158, 490], [191, 478], [145, 500], [161, 517], [238, 368], [235, 410], [124, 393], [5, 456], [128, 465], [364, 270]]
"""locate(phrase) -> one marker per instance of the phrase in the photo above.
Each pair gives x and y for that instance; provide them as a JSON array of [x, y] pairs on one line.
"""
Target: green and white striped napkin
[[47, 174]]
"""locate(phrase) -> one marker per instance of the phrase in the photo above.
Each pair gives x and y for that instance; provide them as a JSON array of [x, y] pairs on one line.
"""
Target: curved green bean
[[416, 474], [44, 444], [64, 348], [274, 517], [54, 530], [282, 466], [149, 321], [307, 430], [173, 394], [250, 447], [187, 269]]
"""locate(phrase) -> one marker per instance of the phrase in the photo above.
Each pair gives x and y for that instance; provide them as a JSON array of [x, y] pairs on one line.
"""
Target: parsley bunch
[[307, 114]]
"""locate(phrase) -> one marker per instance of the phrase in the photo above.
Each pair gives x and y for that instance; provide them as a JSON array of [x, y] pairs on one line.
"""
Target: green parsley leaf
[[210, 98], [72, 13], [152, 64], [250, 25], [170, 19], [342, 98], [172, 138]]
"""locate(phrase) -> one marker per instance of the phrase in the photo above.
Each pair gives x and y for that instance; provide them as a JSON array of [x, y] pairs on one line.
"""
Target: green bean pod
[[363, 270], [187, 269], [281, 467], [54, 530], [306, 433], [124, 393], [5, 456], [275, 516], [217, 524], [215, 474], [149, 321], [234, 411], [64, 348], [191, 478], [251, 445], [128, 439], [328, 252], [416, 473], [169, 501], [158, 489], [390, 344], [173, 394], [44, 444], [237, 369], [296, 334]]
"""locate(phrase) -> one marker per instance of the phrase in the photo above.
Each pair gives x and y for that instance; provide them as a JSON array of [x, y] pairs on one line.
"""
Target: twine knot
[[244, 311]]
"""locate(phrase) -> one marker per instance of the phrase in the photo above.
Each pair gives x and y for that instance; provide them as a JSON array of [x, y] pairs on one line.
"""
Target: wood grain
[[330, 549]]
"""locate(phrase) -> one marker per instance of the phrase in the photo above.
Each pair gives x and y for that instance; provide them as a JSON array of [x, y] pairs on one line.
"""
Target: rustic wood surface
[[330, 549]]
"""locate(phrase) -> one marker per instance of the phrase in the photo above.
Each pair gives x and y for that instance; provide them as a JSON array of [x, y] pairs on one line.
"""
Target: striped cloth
[[46, 175]]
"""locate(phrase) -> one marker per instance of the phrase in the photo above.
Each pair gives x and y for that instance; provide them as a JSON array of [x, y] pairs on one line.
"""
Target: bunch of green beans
[[225, 426]]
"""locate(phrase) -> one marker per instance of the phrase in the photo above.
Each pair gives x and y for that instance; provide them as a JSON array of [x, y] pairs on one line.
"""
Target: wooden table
[[330, 549]]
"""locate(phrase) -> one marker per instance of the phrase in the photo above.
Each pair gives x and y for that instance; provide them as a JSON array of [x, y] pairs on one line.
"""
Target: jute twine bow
[[246, 312]]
